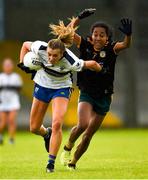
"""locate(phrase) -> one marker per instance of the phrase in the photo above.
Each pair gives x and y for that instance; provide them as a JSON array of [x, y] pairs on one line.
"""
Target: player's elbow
[[126, 45], [27, 45]]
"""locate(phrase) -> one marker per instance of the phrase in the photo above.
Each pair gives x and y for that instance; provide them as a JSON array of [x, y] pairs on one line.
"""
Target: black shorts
[[100, 105]]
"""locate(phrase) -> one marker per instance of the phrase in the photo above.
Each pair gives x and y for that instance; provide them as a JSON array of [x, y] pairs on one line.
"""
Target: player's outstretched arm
[[126, 29], [75, 22], [92, 65]]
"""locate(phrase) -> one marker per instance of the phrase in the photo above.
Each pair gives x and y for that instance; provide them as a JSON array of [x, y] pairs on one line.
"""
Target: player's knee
[[12, 123], [57, 126]]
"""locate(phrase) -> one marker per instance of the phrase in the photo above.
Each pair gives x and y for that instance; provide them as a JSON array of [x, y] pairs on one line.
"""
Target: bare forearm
[[123, 45], [127, 41], [92, 65], [126, 29], [74, 22]]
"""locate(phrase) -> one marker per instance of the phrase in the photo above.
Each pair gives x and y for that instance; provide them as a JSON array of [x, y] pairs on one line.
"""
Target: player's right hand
[[86, 12]]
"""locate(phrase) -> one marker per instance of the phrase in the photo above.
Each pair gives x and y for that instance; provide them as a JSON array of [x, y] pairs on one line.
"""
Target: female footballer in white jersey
[[53, 82], [10, 84]]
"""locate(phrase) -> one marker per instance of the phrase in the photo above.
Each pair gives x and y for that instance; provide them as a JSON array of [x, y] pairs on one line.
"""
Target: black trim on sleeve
[[69, 58], [43, 48]]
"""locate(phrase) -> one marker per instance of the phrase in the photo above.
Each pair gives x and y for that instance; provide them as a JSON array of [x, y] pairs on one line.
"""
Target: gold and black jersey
[[97, 83]]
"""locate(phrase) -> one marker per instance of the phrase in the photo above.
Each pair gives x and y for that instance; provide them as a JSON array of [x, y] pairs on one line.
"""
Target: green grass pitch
[[112, 154]]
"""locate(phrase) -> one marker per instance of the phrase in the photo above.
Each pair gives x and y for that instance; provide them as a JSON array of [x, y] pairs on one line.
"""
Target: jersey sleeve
[[38, 45], [76, 64], [111, 47], [84, 44]]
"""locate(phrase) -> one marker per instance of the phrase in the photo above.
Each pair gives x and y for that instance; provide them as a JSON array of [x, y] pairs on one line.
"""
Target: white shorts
[[10, 104]]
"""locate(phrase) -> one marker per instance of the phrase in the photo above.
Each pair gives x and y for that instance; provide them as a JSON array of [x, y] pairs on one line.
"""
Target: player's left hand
[[126, 26], [26, 69], [86, 12]]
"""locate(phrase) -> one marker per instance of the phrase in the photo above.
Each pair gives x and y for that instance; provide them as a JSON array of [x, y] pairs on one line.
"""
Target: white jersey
[[58, 75], [9, 97]]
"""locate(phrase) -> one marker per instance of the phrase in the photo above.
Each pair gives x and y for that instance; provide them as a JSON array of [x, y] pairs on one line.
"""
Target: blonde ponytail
[[63, 33]]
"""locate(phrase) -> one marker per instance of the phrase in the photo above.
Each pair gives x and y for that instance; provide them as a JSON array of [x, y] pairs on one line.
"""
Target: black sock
[[51, 159]]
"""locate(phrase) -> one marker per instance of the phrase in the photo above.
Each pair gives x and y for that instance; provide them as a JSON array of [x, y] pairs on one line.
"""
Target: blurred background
[[22, 20]]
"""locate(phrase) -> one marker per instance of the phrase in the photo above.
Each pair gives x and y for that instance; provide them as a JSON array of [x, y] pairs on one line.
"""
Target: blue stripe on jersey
[[43, 47], [69, 58]]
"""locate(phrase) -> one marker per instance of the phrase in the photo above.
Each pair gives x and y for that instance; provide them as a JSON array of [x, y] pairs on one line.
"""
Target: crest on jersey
[[102, 54], [36, 89]]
